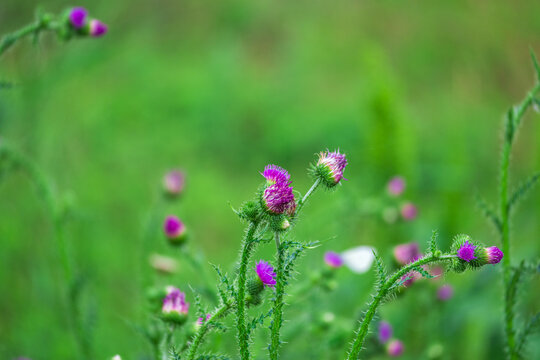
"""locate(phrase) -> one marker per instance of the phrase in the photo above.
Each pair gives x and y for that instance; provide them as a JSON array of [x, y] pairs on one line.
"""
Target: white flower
[[116, 357], [358, 259]]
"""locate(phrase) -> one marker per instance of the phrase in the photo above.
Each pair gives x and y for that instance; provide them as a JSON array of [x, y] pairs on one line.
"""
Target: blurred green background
[[220, 89]]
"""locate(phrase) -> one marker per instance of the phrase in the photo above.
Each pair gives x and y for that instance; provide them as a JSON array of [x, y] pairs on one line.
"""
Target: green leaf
[[225, 289], [535, 64], [532, 325], [381, 270], [522, 190], [423, 272], [258, 321], [433, 242], [489, 213], [512, 286]]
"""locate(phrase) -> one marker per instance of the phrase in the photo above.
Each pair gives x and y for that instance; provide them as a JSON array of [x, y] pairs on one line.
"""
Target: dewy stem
[[243, 336], [505, 217], [277, 312], [383, 291]]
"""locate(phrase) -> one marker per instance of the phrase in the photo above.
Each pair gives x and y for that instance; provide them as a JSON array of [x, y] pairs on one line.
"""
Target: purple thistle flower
[[395, 348], [175, 306], [279, 198], [409, 211], [174, 230], [266, 273], [173, 182], [445, 292], [407, 253], [494, 255], [396, 186], [466, 251], [97, 28], [275, 174], [385, 332], [333, 259], [77, 17], [330, 167]]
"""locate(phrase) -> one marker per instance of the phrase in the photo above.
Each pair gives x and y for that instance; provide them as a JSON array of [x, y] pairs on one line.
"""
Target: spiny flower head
[[175, 307], [97, 28], [445, 292], [278, 198], [77, 17], [409, 211], [385, 332], [395, 348], [175, 230], [466, 251], [333, 259], [329, 167], [174, 182], [396, 186], [266, 273], [275, 174], [407, 253]]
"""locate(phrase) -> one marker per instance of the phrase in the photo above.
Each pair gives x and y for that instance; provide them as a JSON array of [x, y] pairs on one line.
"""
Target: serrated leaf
[[423, 272], [532, 325], [381, 270], [512, 286], [258, 321], [489, 213], [522, 190], [433, 242]]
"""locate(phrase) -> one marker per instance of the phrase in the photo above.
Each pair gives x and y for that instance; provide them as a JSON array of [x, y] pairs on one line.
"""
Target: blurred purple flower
[[266, 273], [396, 186], [173, 227], [175, 302], [77, 17], [407, 253], [333, 259], [385, 332], [395, 348], [97, 28], [201, 320], [409, 211], [174, 182], [445, 292]]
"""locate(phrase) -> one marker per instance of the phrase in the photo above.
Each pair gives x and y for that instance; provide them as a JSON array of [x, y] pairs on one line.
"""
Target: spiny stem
[[243, 336], [512, 121], [382, 292], [277, 312], [197, 339]]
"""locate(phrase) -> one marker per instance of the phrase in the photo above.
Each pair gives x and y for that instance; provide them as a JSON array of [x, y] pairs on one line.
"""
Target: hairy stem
[[197, 339], [513, 123], [382, 292], [277, 312], [243, 336]]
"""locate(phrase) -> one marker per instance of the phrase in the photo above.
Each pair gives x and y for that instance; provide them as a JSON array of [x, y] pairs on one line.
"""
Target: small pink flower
[[407, 253], [395, 348], [396, 186], [409, 211], [333, 259], [97, 28], [174, 182], [445, 292]]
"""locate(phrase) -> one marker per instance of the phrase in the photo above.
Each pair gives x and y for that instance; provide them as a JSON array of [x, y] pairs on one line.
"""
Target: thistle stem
[[515, 120], [308, 194], [277, 312], [243, 336], [383, 291], [35, 28], [197, 339]]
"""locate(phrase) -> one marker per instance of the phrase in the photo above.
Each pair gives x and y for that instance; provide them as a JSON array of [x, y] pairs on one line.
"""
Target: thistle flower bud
[[409, 211], [395, 348], [250, 211], [173, 182], [490, 255], [385, 332], [175, 308], [265, 273], [472, 254], [396, 186], [333, 259], [175, 230], [97, 28], [329, 168], [278, 198], [445, 292], [407, 253], [77, 17]]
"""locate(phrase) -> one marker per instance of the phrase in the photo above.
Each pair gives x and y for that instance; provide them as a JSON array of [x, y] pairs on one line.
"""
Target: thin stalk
[[243, 336], [515, 120], [383, 291], [35, 28], [199, 335], [277, 312], [308, 194]]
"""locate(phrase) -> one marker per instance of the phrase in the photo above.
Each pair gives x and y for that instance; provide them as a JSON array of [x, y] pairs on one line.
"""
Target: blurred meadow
[[220, 89]]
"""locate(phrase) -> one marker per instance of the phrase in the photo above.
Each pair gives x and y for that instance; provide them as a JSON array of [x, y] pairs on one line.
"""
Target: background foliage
[[222, 88]]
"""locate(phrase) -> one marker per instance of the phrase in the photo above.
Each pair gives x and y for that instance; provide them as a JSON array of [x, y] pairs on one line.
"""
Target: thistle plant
[[71, 23], [512, 274], [465, 254]]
